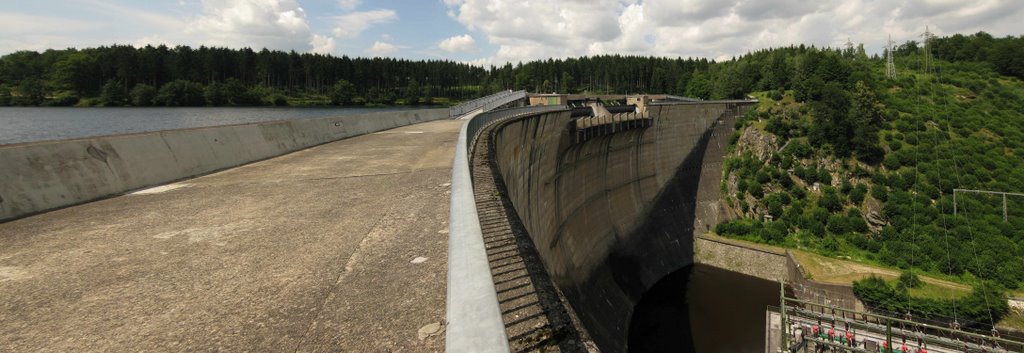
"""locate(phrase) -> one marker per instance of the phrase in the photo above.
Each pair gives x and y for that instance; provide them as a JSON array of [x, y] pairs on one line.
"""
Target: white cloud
[[352, 24], [322, 44], [276, 24], [527, 30], [382, 49], [463, 43], [349, 5]]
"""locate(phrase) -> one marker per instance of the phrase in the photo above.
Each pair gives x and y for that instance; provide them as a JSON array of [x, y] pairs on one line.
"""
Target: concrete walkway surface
[[341, 247]]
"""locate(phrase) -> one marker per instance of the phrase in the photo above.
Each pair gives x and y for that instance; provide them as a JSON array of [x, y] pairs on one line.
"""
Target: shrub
[[143, 95], [65, 99], [879, 193], [180, 93], [857, 194], [113, 94], [830, 200], [773, 233], [909, 279], [738, 227]]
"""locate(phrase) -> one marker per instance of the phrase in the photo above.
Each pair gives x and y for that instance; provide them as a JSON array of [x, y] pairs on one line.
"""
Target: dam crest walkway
[[339, 247]]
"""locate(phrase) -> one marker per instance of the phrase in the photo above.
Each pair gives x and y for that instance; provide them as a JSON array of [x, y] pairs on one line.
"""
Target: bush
[[738, 227], [774, 233], [830, 244], [763, 176], [798, 192], [774, 205], [143, 95], [856, 221], [65, 99], [343, 93], [909, 279], [838, 224], [879, 193], [180, 93], [830, 200], [857, 194], [755, 189], [824, 176], [277, 100], [985, 299], [216, 94], [113, 94]]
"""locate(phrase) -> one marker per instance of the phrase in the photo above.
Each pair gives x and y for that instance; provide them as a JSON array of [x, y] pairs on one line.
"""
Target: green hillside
[[845, 162]]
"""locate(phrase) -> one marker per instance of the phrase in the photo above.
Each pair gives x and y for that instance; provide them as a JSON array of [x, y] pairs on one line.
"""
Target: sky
[[486, 32]]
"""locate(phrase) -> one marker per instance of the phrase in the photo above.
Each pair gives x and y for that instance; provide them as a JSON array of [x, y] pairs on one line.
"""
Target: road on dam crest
[[340, 247]]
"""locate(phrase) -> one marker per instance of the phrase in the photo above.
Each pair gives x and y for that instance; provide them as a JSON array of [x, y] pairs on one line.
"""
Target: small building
[[548, 99]]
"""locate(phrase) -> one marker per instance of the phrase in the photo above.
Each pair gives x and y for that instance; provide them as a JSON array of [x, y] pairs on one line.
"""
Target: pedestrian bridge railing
[[487, 103], [474, 318]]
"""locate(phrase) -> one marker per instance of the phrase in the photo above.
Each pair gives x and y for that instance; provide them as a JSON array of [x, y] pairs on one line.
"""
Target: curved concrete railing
[[41, 176], [474, 319], [487, 103]]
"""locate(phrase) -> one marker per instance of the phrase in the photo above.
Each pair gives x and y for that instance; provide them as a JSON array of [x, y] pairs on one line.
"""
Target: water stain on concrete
[[13, 273], [217, 235], [159, 189], [429, 330]]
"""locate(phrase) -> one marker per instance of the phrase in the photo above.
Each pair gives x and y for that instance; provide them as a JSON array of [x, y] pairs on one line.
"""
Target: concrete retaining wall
[[763, 264], [46, 175], [613, 215]]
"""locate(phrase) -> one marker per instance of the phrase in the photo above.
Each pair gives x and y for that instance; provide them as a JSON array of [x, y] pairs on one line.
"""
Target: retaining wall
[[46, 175], [613, 215], [748, 260]]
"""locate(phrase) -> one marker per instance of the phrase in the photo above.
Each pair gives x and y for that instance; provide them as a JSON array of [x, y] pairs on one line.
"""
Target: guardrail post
[[783, 335], [888, 335]]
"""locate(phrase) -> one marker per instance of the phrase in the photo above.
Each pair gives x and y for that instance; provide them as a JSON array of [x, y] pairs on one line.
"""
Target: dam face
[[615, 214]]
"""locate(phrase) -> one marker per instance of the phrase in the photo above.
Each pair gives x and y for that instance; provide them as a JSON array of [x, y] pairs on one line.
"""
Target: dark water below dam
[[30, 124], [703, 309]]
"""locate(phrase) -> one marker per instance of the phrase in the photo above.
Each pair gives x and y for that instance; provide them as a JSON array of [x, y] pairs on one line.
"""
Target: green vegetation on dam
[[840, 160]]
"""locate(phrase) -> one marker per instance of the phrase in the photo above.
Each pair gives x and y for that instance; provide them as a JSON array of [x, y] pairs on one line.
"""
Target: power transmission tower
[[890, 63], [849, 47], [928, 35], [1006, 213]]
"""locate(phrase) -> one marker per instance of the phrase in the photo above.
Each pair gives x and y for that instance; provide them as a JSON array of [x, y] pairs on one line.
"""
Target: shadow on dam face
[[702, 309], [613, 219]]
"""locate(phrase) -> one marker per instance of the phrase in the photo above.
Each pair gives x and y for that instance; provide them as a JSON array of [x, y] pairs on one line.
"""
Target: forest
[[122, 75], [840, 160]]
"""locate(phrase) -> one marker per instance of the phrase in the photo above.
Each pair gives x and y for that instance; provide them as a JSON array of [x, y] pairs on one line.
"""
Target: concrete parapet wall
[[47, 175], [613, 215], [764, 264]]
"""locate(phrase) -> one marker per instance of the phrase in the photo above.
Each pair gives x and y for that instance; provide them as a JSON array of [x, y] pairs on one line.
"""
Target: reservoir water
[[31, 124], [703, 309]]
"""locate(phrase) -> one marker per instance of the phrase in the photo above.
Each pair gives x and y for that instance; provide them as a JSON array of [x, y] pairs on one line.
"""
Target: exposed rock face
[[762, 145], [873, 214]]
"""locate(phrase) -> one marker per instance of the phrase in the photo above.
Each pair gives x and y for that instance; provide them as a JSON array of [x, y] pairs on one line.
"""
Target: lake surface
[[31, 124]]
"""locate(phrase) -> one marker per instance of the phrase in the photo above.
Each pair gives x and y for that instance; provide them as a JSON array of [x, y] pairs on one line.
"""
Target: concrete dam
[[612, 205]]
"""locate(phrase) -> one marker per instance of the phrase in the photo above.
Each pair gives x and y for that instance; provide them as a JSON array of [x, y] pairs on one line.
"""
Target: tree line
[[127, 75], [119, 74]]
